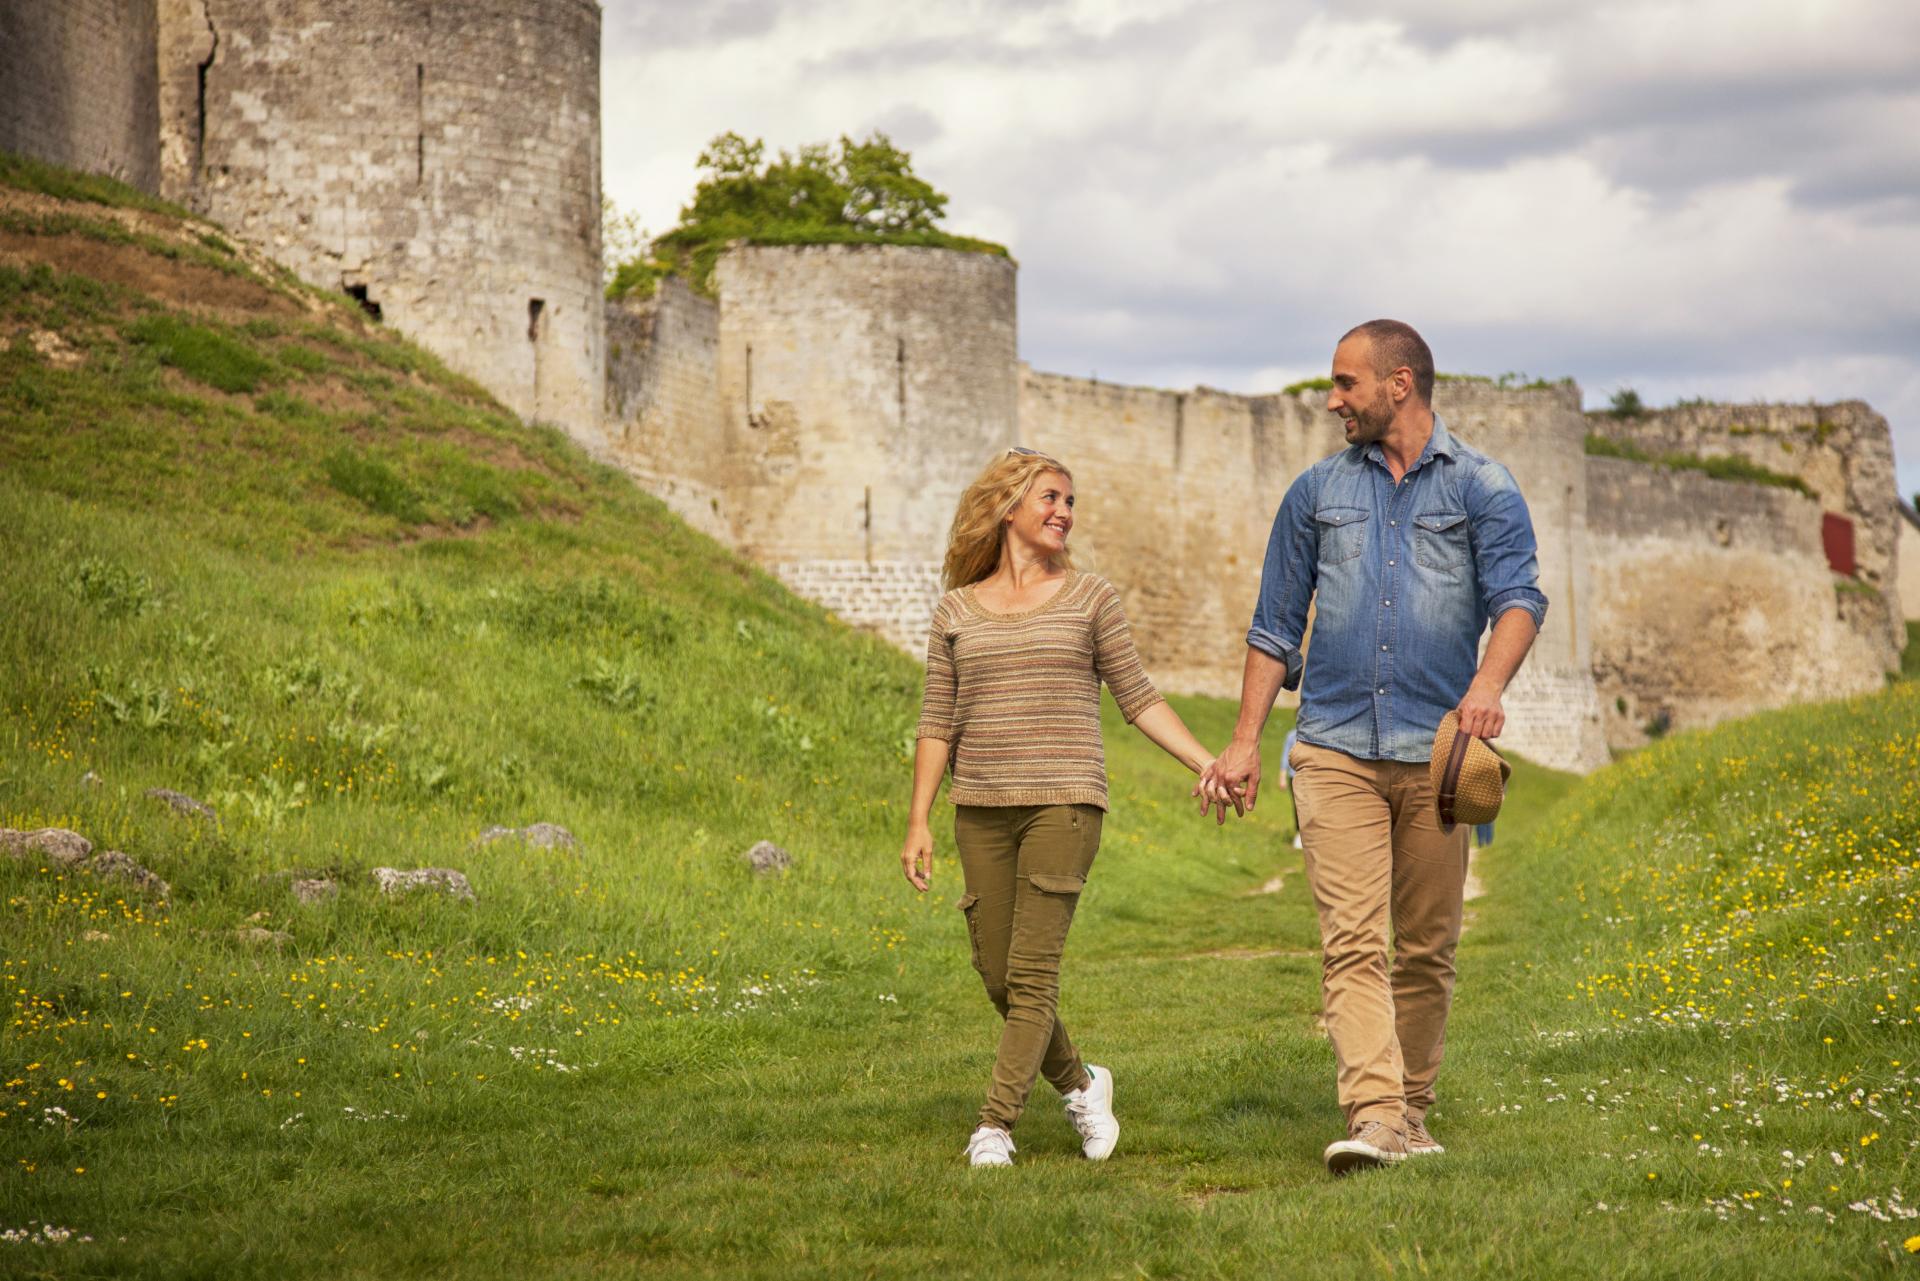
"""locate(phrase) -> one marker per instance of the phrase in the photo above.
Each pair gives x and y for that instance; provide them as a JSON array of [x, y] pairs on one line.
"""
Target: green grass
[[1719, 467], [27, 174], [365, 614]]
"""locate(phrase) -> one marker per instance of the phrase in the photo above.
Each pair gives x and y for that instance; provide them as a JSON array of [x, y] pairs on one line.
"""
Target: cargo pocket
[[1057, 883], [966, 905]]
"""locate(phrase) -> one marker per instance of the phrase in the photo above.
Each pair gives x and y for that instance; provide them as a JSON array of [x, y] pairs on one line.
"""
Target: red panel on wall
[[1836, 534]]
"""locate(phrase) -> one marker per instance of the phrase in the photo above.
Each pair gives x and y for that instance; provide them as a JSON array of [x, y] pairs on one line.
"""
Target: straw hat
[[1469, 776]]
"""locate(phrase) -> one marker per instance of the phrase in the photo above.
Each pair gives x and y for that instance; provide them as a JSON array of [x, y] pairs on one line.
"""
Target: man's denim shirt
[[1406, 577]]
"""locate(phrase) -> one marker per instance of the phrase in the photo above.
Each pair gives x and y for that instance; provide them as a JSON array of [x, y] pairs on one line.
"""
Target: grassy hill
[[262, 552]]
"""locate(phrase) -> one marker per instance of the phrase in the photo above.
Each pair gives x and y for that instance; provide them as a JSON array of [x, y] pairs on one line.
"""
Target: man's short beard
[[1371, 423]]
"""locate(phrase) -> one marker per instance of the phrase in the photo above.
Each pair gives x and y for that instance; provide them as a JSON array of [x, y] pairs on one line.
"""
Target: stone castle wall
[[440, 161], [78, 86], [1713, 599], [1178, 491], [1843, 452], [663, 419], [860, 389], [1908, 549]]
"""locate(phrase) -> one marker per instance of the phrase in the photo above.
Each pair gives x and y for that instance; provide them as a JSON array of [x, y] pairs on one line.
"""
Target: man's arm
[[1508, 568], [1287, 580], [1234, 777], [1480, 712]]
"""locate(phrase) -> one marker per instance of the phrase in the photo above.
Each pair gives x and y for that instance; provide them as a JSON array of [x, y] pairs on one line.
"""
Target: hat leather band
[[1450, 780]]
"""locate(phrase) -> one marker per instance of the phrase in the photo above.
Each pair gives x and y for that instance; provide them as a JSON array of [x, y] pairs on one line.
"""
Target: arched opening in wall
[[359, 294]]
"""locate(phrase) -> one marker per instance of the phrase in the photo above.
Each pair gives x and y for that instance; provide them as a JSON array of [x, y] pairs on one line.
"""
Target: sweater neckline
[[1059, 593]]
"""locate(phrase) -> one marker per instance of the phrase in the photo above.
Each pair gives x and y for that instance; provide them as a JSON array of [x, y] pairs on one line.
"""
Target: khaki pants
[[1377, 860], [1024, 867]]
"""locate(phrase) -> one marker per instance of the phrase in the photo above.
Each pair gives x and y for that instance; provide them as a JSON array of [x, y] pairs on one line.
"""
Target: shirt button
[[1381, 690], [1390, 564], [1394, 523], [1383, 647], [1386, 602]]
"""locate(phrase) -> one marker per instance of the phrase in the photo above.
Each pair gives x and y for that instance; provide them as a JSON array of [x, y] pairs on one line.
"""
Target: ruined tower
[[438, 161]]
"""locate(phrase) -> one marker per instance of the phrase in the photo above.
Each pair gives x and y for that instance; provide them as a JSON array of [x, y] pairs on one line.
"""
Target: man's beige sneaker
[[1367, 1145], [1419, 1142]]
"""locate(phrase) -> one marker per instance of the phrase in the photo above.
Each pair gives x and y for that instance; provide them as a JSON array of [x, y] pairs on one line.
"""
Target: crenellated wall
[[77, 86]]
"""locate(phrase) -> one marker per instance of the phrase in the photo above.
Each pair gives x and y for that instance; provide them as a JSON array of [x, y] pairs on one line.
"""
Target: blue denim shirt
[[1404, 579]]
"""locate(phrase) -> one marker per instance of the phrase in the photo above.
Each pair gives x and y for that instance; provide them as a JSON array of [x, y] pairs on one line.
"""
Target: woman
[[1018, 648]]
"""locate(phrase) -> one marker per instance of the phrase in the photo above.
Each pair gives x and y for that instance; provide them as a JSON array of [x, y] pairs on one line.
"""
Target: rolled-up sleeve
[[942, 692], [1505, 555], [1288, 576]]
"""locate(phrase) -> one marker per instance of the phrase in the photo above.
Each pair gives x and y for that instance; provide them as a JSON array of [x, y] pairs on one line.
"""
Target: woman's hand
[[916, 856]]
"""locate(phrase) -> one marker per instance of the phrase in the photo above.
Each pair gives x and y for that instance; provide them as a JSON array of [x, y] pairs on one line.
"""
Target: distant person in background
[[1407, 543], [1018, 648]]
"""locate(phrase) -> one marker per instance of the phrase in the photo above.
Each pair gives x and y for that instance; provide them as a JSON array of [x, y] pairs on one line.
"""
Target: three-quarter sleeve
[[1116, 660], [937, 703]]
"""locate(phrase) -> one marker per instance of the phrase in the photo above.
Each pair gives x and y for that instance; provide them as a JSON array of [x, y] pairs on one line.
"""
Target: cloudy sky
[[1713, 198]]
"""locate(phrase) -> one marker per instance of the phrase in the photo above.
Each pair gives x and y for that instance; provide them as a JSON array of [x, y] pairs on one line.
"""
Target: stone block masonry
[[894, 599], [439, 161], [1843, 452], [663, 419], [1713, 599], [78, 86]]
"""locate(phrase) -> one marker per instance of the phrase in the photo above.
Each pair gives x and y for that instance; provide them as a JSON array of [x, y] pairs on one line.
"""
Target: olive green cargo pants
[[1024, 867]]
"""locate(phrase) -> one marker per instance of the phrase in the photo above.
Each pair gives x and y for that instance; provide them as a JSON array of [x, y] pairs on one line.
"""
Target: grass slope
[[262, 553]]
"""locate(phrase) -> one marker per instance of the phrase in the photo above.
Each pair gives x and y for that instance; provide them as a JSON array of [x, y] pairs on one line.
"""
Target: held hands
[[1480, 712], [1231, 778], [916, 856]]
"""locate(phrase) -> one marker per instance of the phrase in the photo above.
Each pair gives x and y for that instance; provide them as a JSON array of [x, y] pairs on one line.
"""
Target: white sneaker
[[1090, 1108], [989, 1146]]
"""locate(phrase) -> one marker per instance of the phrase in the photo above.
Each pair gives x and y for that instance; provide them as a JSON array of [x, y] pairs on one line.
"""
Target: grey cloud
[[668, 24]]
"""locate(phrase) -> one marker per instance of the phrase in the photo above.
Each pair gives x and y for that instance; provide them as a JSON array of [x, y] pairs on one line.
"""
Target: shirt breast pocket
[[1343, 533], [1440, 540]]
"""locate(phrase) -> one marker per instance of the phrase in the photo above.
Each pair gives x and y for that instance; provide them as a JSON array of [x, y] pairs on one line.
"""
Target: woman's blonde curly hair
[[979, 528]]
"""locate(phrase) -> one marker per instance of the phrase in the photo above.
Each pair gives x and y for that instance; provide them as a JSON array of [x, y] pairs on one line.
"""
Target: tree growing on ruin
[[847, 193]]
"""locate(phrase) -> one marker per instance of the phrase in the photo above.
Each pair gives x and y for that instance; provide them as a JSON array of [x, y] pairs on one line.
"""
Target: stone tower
[[439, 161]]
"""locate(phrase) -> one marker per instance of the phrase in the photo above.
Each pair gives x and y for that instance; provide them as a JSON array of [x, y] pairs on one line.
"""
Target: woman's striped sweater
[[1016, 697]]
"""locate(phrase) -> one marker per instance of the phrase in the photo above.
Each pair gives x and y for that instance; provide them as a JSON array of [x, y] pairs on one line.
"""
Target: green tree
[[1626, 404], [854, 192]]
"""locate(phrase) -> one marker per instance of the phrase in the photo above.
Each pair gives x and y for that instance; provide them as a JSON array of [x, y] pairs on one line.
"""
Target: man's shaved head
[[1396, 343]]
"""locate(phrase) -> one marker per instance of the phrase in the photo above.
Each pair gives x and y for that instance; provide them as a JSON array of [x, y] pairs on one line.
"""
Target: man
[[1408, 543]]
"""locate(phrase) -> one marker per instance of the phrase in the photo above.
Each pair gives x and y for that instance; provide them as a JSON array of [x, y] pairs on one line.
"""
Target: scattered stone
[[316, 890], [541, 836], [55, 844], [392, 880], [255, 936], [114, 863], [182, 803], [766, 858], [91, 779], [55, 350]]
